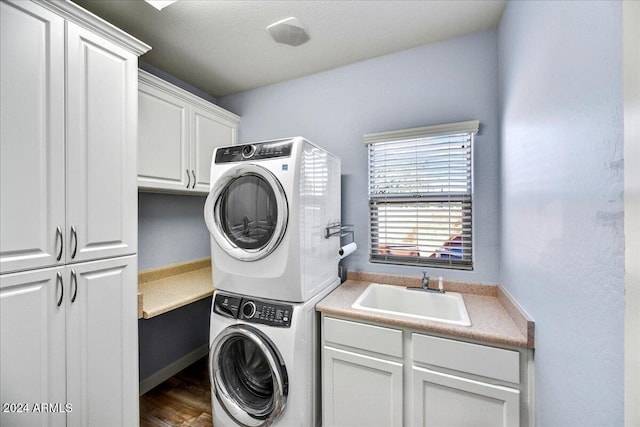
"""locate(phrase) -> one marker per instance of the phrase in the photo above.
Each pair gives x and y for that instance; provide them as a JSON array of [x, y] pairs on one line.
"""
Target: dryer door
[[248, 376], [247, 212]]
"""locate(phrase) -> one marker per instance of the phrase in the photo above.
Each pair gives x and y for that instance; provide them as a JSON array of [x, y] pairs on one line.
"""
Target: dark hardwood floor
[[182, 400]]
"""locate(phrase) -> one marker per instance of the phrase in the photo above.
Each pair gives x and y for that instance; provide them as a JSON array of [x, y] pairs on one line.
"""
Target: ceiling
[[223, 47]]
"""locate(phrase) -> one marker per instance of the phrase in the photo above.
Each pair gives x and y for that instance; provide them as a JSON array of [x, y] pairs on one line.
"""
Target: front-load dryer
[[263, 362], [269, 205]]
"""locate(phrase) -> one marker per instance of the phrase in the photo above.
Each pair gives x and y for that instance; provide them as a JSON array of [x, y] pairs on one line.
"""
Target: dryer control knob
[[248, 309], [248, 151]]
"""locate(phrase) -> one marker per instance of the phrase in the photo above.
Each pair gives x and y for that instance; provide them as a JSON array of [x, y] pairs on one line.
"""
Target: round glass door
[[246, 212], [249, 377]]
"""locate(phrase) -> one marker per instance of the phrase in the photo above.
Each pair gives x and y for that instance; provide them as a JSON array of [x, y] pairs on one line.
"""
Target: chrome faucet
[[425, 281], [425, 285]]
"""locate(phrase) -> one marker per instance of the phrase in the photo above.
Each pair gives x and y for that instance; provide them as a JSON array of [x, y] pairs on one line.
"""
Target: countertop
[[164, 289], [495, 317]]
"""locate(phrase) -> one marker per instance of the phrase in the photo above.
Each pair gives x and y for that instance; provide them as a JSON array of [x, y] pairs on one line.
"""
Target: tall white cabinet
[[178, 132], [68, 217]]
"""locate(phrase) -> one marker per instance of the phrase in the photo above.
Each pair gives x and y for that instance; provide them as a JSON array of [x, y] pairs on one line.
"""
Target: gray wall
[[171, 230], [562, 200], [444, 82], [166, 338]]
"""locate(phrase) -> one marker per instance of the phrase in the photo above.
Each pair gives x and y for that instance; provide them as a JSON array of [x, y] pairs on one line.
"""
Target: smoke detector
[[289, 31]]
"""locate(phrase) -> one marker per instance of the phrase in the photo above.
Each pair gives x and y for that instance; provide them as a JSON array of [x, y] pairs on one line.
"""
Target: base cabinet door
[[32, 339], [102, 343], [447, 400], [360, 390]]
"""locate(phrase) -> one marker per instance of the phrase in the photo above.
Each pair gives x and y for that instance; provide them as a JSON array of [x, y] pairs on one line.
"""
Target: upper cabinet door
[[31, 137], [163, 138], [102, 117], [208, 131]]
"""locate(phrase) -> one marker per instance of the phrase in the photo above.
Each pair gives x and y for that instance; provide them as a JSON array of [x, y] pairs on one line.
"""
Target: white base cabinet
[[375, 375], [102, 343], [32, 339], [448, 400], [177, 135], [70, 345], [361, 390]]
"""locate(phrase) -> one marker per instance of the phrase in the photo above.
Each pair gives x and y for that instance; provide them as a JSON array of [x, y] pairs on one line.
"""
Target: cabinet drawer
[[472, 358], [366, 337]]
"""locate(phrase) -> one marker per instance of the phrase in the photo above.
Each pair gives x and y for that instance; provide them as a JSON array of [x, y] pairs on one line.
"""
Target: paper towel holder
[[341, 230]]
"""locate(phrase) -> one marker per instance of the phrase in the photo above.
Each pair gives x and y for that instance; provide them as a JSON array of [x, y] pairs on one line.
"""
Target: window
[[420, 195]]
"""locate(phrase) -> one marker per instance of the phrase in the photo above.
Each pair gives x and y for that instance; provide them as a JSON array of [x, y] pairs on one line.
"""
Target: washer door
[[248, 376], [247, 212]]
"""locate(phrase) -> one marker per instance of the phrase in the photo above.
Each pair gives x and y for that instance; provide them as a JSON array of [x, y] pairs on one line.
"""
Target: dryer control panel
[[258, 151], [253, 310]]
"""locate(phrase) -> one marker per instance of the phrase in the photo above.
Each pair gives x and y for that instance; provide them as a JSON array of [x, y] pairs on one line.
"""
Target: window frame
[[428, 198]]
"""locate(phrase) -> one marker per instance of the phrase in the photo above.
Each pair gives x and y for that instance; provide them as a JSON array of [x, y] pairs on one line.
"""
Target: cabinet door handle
[[74, 237], [188, 178], [194, 178], [74, 283], [59, 236], [59, 281]]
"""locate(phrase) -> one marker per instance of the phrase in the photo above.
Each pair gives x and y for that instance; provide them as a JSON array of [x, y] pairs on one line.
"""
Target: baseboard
[[169, 371]]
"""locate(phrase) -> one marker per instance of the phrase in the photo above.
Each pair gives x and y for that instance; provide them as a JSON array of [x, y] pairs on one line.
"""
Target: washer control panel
[[253, 310], [258, 151]]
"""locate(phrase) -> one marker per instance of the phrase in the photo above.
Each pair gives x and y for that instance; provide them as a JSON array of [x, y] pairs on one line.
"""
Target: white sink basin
[[398, 300]]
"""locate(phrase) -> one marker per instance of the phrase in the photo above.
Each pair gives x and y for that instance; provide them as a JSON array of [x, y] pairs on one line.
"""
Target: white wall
[[440, 83], [562, 200]]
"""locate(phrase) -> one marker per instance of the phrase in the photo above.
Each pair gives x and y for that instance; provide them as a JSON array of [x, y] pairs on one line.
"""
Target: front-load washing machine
[[263, 362], [267, 211]]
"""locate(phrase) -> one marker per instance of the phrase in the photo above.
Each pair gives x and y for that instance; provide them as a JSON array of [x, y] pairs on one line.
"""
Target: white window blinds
[[420, 195]]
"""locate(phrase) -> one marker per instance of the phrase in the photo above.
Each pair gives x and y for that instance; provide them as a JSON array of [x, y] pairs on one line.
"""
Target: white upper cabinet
[[32, 196], [163, 139], [101, 151], [177, 134], [71, 197], [208, 131]]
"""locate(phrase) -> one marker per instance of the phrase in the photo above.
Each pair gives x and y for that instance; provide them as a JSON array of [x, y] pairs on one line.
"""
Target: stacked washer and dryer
[[267, 211]]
